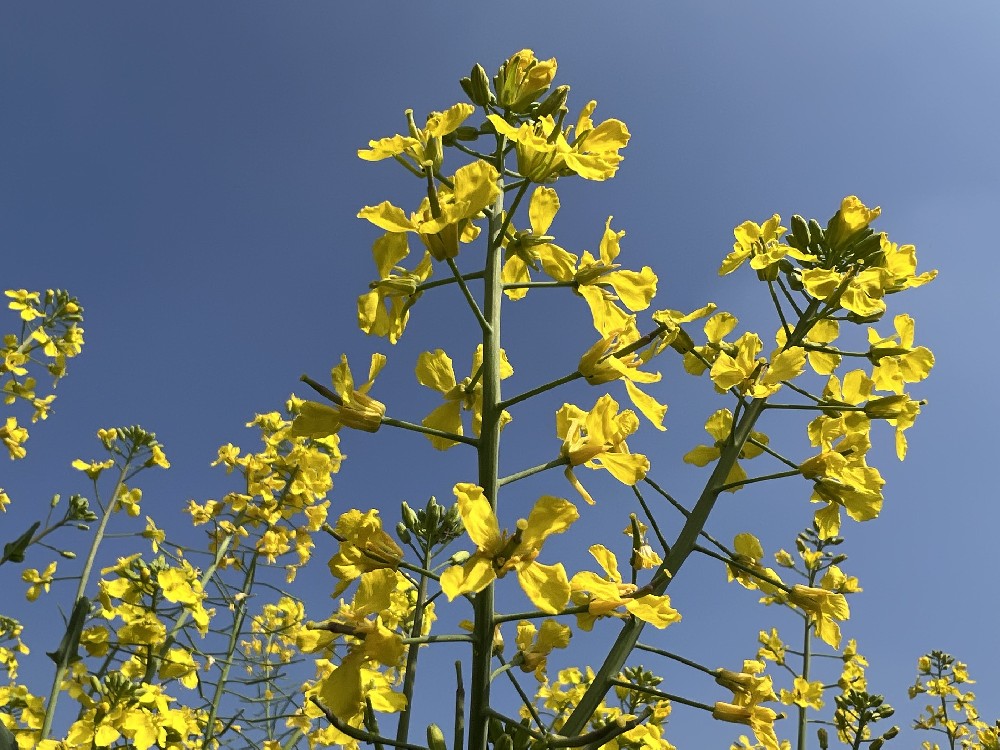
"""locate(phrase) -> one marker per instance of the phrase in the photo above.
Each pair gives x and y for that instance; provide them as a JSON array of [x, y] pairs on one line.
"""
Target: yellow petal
[[652, 409], [435, 370], [543, 208], [477, 516], [550, 515], [546, 585], [388, 217], [476, 574]]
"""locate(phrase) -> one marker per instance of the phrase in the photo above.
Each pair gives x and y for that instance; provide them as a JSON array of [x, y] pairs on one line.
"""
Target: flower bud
[[800, 233], [435, 738], [553, 102], [403, 533], [824, 738]]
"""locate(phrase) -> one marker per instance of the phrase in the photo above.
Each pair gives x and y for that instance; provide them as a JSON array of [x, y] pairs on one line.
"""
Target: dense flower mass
[[179, 647]]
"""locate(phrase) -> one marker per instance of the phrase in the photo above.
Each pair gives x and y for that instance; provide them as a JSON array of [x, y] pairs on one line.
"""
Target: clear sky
[[189, 171]]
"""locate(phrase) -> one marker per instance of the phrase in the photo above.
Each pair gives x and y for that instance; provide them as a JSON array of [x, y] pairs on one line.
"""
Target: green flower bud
[[799, 237], [553, 102], [503, 742], [435, 738], [403, 533]]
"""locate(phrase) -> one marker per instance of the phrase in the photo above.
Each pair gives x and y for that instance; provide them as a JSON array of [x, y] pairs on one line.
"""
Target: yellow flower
[[364, 547], [441, 225], [522, 78], [749, 688], [604, 595], [39, 581], [435, 370], [600, 365], [759, 718], [529, 249], [758, 378], [544, 152], [357, 409], [385, 310], [896, 360], [805, 694], [13, 437], [498, 552], [423, 146], [596, 439], [749, 553], [843, 481], [534, 646], [762, 244], [720, 427], [92, 469], [24, 303], [823, 608]]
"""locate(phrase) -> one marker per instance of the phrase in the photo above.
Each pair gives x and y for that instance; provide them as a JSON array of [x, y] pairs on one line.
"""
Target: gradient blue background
[[189, 171]]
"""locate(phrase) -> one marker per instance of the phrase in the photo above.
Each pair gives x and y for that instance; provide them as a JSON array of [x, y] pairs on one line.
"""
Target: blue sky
[[189, 171]]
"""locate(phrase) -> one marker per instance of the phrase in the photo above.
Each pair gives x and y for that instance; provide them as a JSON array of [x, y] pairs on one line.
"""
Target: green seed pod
[[435, 738]]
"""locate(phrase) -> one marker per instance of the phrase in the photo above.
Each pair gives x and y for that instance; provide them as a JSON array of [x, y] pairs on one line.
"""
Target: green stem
[[489, 453], [754, 480], [771, 452], [450, 280], [538, 614], [806, 663], [533, 470], [234, 635], [661, 694], [428, 431], [359, 734], [676, 657], [459, 741], [541, 389], [403, 726], [468, 295], [88, 566]]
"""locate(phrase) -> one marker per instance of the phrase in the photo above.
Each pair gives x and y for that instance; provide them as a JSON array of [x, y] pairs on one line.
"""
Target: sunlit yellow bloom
[[852, 217], [749, 553], [365, 547], [896, 360], [843, 481], [443, 224], [23, 302], [758, 378], [749, 686], [534, 645], [762, 245], [357, 409], [772, 648], [720, 427], [759, 718], [533, 248], [499, 552], [823, 608], [92, 469], [804, 694], [822, 334], [544, 152], [699, 358], [605, 595], [13, 437], [39, 581], [600, 365], [522, 78], [385, 310], [423, 145], [435, 370], [596, 439]]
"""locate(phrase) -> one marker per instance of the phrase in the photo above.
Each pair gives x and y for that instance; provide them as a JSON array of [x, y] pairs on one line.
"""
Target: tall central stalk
[[489, 464]]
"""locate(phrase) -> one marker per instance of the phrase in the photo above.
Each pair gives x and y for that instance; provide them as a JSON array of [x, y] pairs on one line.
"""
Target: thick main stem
[[489, 460]]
